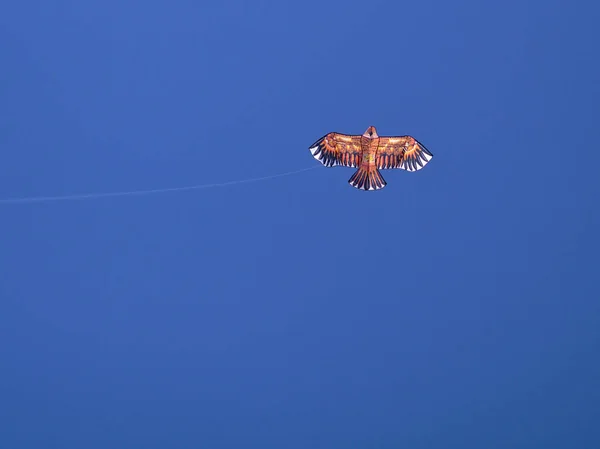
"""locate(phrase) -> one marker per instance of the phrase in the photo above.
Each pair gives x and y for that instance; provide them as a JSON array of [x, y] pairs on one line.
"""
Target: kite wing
[[337, 149], [403, 152]]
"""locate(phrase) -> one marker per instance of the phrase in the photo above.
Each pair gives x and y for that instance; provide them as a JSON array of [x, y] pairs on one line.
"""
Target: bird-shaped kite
[[370, 153]]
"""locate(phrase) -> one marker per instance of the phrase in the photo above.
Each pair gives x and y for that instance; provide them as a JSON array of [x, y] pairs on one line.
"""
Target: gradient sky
[[457, 308]]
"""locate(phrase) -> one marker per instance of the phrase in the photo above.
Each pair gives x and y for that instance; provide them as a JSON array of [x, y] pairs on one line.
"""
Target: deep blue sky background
[[457, 308]]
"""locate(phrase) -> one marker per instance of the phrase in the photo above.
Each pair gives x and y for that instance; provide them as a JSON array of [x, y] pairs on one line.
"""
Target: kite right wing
[[403, 152]]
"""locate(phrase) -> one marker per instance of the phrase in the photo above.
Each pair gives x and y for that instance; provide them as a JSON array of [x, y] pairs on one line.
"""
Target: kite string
[[37, 199]]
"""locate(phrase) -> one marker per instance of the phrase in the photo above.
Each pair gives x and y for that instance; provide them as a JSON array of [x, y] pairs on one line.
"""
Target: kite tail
[[367, 179]]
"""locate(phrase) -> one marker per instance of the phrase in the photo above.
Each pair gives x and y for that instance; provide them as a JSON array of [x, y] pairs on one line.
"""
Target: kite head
[[371, 133]]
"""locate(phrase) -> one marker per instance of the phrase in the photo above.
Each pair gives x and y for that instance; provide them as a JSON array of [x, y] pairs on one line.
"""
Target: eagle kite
[[370, 153]]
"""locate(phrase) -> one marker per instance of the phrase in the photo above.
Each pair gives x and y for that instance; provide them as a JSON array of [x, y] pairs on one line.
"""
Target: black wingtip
[[424, 148]]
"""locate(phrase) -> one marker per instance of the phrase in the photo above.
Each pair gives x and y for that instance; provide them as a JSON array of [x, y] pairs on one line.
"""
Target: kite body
[[370, 153]]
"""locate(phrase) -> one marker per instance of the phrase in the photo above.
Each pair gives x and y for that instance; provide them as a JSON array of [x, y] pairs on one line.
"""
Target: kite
[[370, 153]]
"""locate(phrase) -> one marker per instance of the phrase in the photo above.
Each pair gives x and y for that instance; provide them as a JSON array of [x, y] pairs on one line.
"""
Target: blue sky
[[456, 308]]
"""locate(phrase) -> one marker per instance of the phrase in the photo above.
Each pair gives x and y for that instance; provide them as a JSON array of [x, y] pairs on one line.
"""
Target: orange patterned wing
[[337, 149], [403, 152]]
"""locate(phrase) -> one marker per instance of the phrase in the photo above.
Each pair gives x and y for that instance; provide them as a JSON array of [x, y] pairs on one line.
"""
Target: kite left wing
[[403, 152], [337, 149]]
